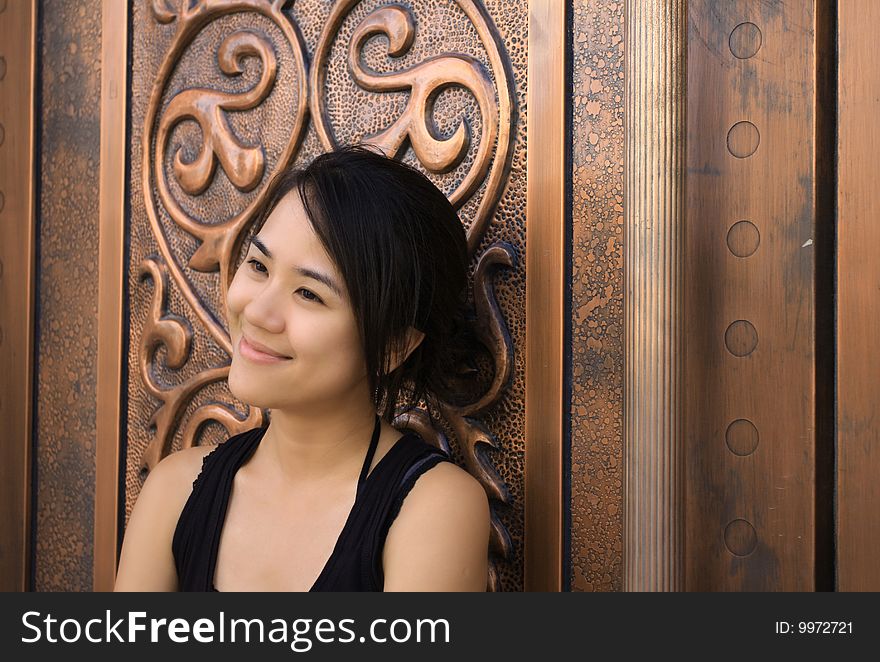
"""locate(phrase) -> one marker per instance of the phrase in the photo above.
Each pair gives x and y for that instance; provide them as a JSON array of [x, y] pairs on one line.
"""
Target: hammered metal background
[[440, 27], [597, 297], [69, 60], [443, 28]]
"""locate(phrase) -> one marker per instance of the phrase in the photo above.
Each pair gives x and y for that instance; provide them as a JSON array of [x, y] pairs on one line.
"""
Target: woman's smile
[[248, 351]]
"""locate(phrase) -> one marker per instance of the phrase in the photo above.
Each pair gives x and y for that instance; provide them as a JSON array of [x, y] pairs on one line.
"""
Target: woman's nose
[[262, 311]]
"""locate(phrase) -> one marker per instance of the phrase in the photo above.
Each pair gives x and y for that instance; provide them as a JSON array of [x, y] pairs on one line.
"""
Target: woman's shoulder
[[184, 465], [177, 472], [446, 480], [170, 482], [186, 459], [438, 478], [442, 474], [146, 561], [439, 538]]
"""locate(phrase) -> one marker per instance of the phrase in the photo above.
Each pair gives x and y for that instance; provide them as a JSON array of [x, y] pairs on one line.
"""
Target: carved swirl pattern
[[193, 139], [244, 165]]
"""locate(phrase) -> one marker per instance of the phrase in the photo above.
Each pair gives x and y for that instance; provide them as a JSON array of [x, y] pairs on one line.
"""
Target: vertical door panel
[[751, 357], [858, 288]]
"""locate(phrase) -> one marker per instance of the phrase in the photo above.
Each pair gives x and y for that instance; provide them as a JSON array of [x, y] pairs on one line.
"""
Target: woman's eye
[[309, 295], [257, 266]]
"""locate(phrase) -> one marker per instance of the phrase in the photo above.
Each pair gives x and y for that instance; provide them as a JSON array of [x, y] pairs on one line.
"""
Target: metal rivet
[[741, 437], [743, 139], [740, 537], [743, 238], [741, 338], [745, 40]]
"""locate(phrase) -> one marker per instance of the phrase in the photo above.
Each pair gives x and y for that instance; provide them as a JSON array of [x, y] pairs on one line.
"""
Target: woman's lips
[[251, 353]]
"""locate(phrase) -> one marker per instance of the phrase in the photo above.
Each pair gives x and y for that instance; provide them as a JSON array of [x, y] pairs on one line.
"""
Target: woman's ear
[[413, 339]]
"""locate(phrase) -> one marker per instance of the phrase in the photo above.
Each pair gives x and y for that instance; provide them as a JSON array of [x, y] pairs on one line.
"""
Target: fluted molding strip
[[654, 207]]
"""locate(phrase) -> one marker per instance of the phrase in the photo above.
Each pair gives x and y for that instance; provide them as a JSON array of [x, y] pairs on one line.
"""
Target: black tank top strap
[[426, 458], [371, 451], [376, 509], [196, 538]]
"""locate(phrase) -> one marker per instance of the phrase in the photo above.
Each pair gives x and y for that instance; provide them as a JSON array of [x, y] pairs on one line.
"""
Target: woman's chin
[[250, 393]]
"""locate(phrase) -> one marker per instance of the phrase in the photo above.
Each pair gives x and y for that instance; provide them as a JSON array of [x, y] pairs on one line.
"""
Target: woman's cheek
[[236, 298], [348, 351]]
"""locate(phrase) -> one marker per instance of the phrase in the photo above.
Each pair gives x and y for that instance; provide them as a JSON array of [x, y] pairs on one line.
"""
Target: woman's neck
[[305, 446]]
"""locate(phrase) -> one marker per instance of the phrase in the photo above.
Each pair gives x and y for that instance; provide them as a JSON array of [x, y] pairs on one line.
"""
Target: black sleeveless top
[[356, 561]]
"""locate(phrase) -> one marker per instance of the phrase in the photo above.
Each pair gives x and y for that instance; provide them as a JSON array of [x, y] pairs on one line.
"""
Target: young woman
[[346, 307]]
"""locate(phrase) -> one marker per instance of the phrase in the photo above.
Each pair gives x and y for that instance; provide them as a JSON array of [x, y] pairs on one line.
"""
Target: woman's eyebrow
[[321, 278], [302, 271], [260, 245]]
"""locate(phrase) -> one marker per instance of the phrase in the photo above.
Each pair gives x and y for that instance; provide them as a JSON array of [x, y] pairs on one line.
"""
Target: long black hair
[[402, 252]]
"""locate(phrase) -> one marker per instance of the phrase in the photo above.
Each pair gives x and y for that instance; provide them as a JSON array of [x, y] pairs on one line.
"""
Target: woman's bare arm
[[440, 539], [146, 562]]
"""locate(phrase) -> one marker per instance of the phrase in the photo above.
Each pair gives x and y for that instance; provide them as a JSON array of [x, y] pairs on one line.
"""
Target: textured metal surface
[[111, 284], [754, 521], [858, 315], [597, 296], [654, 211], [17, 269], [545, 294], [69, 118], [195, 179]]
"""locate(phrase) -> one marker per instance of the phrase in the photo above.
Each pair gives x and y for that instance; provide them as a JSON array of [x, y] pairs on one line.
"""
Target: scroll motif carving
[[175, 334], [218, 241], [475, 162], [242, 164], [425, 81]]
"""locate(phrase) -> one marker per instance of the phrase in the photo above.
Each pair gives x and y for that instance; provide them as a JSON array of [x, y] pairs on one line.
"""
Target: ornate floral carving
[[174, 333], [424, 81], [243, 164], [218, 241]]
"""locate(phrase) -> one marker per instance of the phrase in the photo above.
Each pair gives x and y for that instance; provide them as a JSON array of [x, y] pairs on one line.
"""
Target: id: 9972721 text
[[814, 627]]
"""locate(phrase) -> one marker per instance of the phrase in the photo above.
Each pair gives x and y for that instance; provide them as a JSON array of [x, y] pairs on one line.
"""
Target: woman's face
[[287, 298]]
